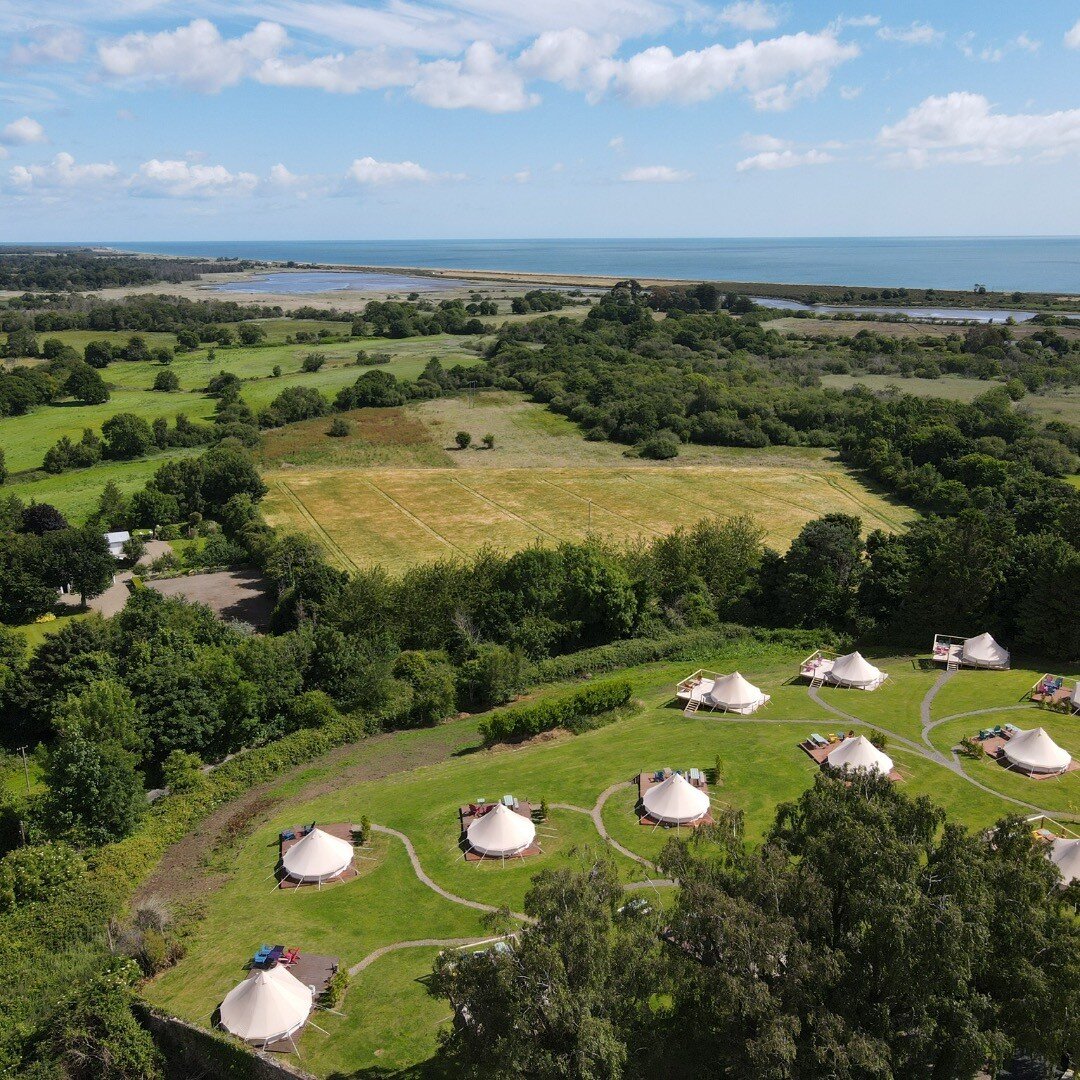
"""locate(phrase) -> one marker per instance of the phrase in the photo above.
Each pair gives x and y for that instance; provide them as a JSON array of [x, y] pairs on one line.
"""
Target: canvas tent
[[855, 671], [1074, 701], [269, 1006], [1036, 752], [318, 857], [984, 651], [501, 832], [675, 801], [860, 753], [733, 693], [1065, 855]]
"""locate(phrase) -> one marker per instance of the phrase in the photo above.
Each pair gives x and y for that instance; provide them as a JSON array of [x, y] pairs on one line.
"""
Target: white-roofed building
[[501, 833], [269, 1006], [1035, 752], [116, 542], [1065, 855], [859, 753], [854, 670], [317, 857], [675, 801]]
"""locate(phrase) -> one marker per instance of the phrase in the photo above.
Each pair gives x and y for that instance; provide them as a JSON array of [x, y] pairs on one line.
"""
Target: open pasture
[[581, 778], [397, 517]]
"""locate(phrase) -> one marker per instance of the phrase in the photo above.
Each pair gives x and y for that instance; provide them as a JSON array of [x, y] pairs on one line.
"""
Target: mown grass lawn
[[761, 767]]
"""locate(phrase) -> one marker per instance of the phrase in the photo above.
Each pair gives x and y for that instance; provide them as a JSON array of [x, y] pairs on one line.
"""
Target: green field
[[761, 767], [25, 439], [1062, 405]]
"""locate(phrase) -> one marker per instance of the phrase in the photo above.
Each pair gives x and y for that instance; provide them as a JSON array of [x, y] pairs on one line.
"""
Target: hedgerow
[[568, 712]]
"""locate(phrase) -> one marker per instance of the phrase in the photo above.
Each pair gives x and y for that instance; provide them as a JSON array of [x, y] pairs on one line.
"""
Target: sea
[[1024, 264]]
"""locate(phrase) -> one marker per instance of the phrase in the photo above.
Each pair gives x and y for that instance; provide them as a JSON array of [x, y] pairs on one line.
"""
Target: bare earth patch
[[233, 594]]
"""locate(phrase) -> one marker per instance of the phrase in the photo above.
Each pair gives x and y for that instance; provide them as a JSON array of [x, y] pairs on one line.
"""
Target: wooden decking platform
[[467, 815], [341, 831], [312, 970], [646, 780], [818, 754], [993, 748], [1061, 696]]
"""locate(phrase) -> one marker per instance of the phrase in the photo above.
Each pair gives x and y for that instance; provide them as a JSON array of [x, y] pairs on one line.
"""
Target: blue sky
[[337, 119]]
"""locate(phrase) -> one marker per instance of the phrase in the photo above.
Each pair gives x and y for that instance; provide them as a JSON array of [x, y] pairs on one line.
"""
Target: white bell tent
[[734, 693], [318, 857], [1065, 855], [860, 753], [1036, 752], [984, 651], [501, 833], [269, 1006], [675, 801], [855, 671]]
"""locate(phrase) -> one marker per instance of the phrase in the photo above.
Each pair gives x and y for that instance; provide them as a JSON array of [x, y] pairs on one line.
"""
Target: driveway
[[233, 594]]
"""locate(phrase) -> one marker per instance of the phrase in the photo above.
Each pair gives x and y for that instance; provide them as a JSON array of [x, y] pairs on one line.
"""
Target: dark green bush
[[570, 712]]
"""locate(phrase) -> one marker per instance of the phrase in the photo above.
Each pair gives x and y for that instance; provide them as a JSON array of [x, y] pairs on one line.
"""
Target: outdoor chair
[[288, 834]]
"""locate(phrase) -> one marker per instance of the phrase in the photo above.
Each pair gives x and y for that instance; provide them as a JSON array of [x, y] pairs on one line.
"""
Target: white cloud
[[858, 22], [367, 170], [22, 132], [918, 33], [482, 79], [63, 172], [850, 93], [341, 73], [1027, 43], [186, 180], [963, 128], [750, 15], [571, 58], [195, 56], [655, 174], [774, 73], [522, 177], [763, 142], [48, 45], [770, 160], [992, 54], [617, 143], [1072, 36], [282, 178]]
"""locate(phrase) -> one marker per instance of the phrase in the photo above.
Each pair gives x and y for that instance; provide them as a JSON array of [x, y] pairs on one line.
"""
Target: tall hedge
[[569, 712]]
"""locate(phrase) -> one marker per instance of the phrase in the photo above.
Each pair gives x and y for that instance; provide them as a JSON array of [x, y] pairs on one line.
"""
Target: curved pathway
[[448, 943], [422, 875]]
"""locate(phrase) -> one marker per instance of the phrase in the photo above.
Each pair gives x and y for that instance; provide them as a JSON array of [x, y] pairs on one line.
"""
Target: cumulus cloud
[[1072, 36], [176, 179], [571, 58], [964, 128], [655, 174], [63, 172], [770, 160], [195, 56], [22, 132], [750, 15], [850, 93], [341, 73], [774, 73], [918, 33], [763, 143], [48, 45], [482, 79], [368, 171], [522, 177]]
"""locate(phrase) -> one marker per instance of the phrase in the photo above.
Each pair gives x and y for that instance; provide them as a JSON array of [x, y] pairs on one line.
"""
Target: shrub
[[573, 712], [430, 675], [313, 361], [660, 447], [463, 440], [494, 675], [182, 771], [167, 380], [32, 874], [334, 993], [339, 428], [489, 442]]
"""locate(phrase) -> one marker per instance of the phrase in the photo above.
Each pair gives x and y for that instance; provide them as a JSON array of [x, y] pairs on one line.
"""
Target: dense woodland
[[769, 952]]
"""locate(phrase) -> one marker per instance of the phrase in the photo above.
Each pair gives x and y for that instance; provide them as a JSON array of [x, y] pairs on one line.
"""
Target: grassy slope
[[761, 764]]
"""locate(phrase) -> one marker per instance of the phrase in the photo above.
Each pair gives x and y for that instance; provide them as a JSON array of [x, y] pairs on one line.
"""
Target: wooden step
[[691, 707]]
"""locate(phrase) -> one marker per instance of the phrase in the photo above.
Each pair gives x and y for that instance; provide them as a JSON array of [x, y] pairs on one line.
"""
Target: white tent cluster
[[1035, 752], [853, 670], [734, 693], [1065, 855], [675, 801], [859, 753], [269, 1006], [984, 651], [501, 833], [318, 857]]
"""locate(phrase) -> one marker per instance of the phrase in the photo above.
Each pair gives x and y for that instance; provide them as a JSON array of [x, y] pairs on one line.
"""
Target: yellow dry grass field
[[399, 517]]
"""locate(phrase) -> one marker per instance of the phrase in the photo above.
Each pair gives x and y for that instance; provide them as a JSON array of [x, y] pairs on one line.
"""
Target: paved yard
[[233, 594]]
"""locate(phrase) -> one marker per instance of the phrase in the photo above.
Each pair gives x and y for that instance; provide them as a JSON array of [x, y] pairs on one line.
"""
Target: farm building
[[116, 542]]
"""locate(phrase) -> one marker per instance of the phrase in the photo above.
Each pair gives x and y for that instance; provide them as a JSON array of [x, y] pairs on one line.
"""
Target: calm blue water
[[1035, 264], [970, 314]]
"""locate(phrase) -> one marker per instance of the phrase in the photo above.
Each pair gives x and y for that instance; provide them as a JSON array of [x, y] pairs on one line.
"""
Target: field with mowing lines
[[398, 517]]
